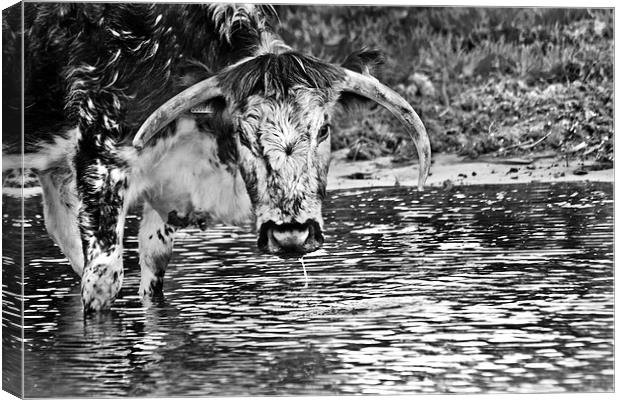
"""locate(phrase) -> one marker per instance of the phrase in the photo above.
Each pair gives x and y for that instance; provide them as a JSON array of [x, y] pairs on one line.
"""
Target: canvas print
[[250, 199]]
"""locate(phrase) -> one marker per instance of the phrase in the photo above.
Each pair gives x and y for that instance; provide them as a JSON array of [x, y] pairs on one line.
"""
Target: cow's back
[[110, 65]]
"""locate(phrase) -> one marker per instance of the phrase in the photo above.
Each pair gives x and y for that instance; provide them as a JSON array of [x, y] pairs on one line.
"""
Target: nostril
[[315, 236]]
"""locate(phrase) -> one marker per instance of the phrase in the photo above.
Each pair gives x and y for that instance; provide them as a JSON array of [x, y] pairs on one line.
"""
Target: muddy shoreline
[[453, 170]]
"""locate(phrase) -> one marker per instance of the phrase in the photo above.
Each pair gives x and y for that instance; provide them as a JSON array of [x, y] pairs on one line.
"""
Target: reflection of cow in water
[[196, 110]]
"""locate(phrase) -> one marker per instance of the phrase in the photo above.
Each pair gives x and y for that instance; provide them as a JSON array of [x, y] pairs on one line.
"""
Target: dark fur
[[274, 75], [135, 55]]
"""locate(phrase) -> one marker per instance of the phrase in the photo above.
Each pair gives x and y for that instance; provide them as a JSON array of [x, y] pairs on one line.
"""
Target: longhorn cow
[[199, 112]]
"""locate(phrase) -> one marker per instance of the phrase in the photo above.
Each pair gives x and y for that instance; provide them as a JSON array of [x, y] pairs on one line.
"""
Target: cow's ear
[[190, 72], [365, 61], [212, 114], [368, 62]]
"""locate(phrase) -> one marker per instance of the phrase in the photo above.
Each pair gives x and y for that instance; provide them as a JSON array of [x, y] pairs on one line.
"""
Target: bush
[[501, 80]]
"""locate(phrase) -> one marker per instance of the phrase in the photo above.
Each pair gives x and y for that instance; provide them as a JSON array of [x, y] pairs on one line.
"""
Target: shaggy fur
[[109, 65], [275, 75], [103, 68], [261, 151]]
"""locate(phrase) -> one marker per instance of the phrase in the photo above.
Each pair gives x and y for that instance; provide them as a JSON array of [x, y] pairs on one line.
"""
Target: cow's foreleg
[[102, 186], [155, 243]]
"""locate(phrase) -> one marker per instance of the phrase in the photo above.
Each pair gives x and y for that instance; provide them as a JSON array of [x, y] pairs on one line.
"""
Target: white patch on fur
[[154, 253], [286, 148], [182, 173], [116, 174]]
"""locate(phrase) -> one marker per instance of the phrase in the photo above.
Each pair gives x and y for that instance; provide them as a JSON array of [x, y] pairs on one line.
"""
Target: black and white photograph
[[225, 199]]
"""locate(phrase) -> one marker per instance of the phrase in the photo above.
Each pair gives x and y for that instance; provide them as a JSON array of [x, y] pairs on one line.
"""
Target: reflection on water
[[489, 288]]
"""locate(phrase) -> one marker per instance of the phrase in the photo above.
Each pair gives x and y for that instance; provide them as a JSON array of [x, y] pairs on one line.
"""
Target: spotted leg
[[101, 181], [155, 243]]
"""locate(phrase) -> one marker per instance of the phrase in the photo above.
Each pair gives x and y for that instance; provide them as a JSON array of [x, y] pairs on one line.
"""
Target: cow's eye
[[324, 132]]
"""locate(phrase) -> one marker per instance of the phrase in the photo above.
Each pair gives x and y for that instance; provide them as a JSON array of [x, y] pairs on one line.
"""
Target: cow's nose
[[290, 240]]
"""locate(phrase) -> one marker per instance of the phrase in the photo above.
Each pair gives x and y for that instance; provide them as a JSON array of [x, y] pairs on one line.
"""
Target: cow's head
[[279, 107]]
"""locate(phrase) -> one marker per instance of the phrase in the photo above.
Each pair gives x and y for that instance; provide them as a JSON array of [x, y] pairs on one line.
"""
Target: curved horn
[[369, 87], [166, 113]]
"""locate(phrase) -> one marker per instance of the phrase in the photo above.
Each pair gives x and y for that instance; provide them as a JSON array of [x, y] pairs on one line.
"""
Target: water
[[478, 289]]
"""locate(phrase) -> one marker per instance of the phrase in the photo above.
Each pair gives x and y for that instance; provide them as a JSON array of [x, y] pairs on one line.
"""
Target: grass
[[502, 81]]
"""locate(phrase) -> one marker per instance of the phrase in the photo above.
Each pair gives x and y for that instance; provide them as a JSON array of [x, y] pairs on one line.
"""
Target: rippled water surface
[[478, 289]]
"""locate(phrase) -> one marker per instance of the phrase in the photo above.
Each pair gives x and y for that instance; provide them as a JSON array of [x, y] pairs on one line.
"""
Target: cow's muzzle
[[291, 239]]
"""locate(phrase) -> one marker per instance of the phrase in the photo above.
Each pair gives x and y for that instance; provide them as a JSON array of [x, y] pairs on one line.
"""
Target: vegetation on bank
[[485, 81]]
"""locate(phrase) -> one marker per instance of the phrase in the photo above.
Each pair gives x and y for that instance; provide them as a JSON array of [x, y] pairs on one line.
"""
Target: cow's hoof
[[96, 305], [100, 286], [151, 287]]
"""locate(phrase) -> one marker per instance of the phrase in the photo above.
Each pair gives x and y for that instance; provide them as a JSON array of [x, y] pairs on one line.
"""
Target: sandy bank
[[450, 169]]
